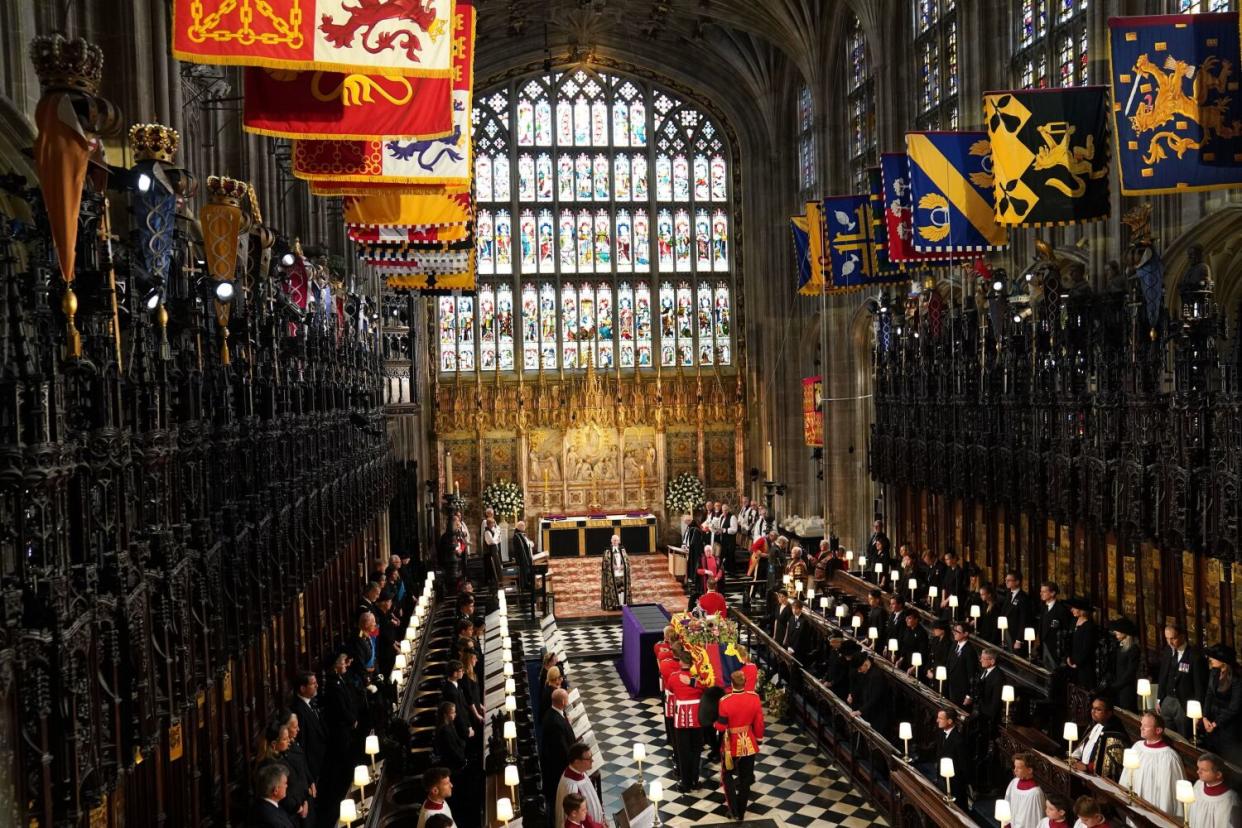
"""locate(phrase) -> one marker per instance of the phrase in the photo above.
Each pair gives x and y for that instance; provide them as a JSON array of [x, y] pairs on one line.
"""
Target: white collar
[[308, 701], [273, 802], [1050, 604]]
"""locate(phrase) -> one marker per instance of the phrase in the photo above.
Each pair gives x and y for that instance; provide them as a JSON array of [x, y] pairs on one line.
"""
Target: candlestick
[[362, 778], [510, 734], [655, 792], [640, 753], [448, 465], [457, 488], [767, 461]]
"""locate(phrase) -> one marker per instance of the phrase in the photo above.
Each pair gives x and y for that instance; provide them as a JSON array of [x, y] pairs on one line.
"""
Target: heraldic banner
[[899, 210], [847, 240], [802, 254], [951, 188], [1176, 108], [412, 39], [399, 157], [813, 411], [1049, 154], [886, 269]]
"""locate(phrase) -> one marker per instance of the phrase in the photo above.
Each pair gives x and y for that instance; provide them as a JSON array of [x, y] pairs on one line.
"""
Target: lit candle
[[457, 488], [767, 460], [448, 466]]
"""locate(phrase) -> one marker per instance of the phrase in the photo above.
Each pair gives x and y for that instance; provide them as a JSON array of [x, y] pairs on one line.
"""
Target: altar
[[580, 535]]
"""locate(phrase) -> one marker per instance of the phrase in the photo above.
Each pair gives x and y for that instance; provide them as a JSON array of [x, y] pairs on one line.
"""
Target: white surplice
[[1156, 777], [1026, 806], [1224, 810], [574, 782]]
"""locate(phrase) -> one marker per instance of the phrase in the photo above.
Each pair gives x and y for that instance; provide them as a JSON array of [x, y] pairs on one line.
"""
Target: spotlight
[[153, 298], [224, 292], [1030, 277], [1017, 318], [144, 182], [998, 286], [883, 308], [899, 331], [288, 259]]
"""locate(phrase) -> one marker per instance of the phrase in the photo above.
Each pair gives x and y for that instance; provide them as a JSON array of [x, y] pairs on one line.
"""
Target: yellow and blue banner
[[899, 210], [886, 268], [951, 185], [848, 240], [1050, 152], [802, 255], [1176, 109]]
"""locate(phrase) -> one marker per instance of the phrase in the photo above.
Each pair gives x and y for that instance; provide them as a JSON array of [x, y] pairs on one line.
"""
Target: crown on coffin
[[64, 64], [154, 142], [221, 188]]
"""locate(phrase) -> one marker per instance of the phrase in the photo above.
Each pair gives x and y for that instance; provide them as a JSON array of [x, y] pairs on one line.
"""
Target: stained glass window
[[1201, 6], [566, 215], [806, 142], [861, 103], [447, 325], [1051, 33], [935, 47]]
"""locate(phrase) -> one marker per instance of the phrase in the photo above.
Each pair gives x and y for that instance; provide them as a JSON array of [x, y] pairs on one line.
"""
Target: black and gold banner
[[1050, 154]]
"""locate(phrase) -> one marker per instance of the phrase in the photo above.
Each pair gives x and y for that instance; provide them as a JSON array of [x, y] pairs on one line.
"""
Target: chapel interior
[[405, 405]]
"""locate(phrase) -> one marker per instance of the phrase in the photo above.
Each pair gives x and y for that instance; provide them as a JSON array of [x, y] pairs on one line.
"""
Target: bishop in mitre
[[1215, 806], [577, 779], [1025, 797], [1159, 767]]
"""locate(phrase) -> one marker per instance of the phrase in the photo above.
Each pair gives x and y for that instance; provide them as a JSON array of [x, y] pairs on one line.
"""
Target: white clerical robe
[[574, 782], [1027, 806], [1221, 809], [1156, 777], [430, 809]]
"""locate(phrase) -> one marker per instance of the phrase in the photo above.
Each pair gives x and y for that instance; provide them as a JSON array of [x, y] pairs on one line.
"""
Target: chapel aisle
[[793, 785]]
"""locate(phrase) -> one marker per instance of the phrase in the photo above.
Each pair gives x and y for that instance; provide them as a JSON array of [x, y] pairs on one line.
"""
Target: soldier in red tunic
[[687, 731], [741, 719], [668, 665]]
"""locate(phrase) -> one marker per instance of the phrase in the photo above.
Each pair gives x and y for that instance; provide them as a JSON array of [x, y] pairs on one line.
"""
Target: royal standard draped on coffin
[[397, 37], [951, 188], [1049, 154], [396, 158], [1176, 109]]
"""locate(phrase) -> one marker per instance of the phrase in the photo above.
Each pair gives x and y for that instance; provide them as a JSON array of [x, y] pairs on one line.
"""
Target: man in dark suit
[[312, 735], [961, 665], [912, 639], [985, 702], [868, 695], [893, 621], [1016, 607], [369, 599], [1055, 624], [1182, 676], [451, 691], [780, 616], [798, 634], [950, 744], [271, 783], [876, 617], [556, 738]]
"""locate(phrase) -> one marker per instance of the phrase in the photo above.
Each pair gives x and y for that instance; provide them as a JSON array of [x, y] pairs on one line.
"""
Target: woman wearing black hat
[[1222, 707], [1123, 668], [1082, 643]]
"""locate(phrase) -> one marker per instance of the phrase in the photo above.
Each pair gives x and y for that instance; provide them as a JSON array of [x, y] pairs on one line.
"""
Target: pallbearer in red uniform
[[669, 664], [664, 648], [741, 719], [687, 732], [712, 602], [748, 668]]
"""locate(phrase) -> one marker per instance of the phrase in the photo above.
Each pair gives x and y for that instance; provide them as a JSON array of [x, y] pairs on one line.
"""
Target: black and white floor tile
[[793, 784], [582, 641]]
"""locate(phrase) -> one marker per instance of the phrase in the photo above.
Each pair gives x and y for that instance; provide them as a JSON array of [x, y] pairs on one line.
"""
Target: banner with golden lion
[[410, 38]]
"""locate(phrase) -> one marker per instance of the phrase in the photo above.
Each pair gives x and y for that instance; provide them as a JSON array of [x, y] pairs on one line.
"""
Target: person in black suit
[[780, 616], [271, 783], [939, 644], [985, 702], [1182, 677], [1122, 664], [798, 634], [450, 749], [1054, 625], [893, 621], [692, 541], [1084, 636], [301, 785], [989, 611], [273, 749], [950, 744], [930, 572], [876, 616], [961, 665], [312, 735], [369, 599], [868, 695], [1016, 607], [556, 738], [952, 581], [912, 639], [451, 690]]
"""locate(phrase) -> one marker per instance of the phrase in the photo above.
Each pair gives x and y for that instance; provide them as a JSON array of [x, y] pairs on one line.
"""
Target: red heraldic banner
[[813, 411], [392, 158], [392, 37]]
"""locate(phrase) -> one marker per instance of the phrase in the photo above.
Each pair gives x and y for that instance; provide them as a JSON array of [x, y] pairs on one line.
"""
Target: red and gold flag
[[396, 158], [813, 411], [429, 235], [394, 37], [409, 209]]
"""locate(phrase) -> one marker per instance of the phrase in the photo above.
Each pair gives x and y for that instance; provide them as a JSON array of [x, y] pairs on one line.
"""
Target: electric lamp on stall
[[873, 635], [372, 748], [405, 647], [1194, 712], [506, 642], [510, 734], [508, 669], [655, 792], [976, 612], [824, 602], [892, 648], [399, 663], [905, 732], [1070, 734], [511, 779], [397, 678], [348, 813], [1002, 626], [947, 772], [797, 587], [362, 778], [879, 572], [862, 566], [912, 584], [504, 809], [1002, 812], [810, 595], [942, 673], [856, 622], [916, 660], [1185, 793], [1130, 761], [510, 687], [933, 592], [1007, 696], [841, 611], [849, 559], [1144, 691], [954, 603], [893, 575], [510, 705], [1028, 635], [640, 753]]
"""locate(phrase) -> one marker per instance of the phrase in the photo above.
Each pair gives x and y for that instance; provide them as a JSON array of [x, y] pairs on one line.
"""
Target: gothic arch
[[1217, 234]]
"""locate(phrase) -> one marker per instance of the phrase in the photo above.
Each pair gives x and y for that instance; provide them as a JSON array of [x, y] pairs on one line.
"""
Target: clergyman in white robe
[[579, 783], [1215, 806], [1156, 777], [1026, 802]]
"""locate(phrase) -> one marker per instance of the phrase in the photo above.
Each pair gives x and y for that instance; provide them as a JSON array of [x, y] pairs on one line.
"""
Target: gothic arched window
[[1050, 33], [1202, 6], [806, 143], [596, 193], [935, 49], [861, 102]]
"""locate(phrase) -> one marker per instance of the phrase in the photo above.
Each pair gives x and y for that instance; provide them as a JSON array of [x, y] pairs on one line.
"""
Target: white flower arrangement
[[505, 498], [685, 494]]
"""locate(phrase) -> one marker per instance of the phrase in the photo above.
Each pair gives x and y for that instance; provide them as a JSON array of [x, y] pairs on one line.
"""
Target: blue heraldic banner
[[951, 187], [802, 251], [850, 243], [1176, 108], [887, 270]]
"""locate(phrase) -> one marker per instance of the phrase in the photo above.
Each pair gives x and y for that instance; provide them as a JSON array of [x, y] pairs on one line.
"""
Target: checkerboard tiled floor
[[793, 785], [594, 640]]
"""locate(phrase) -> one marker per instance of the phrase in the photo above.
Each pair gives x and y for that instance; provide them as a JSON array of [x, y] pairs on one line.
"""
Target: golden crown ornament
[[154, 142], [64, 64]]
